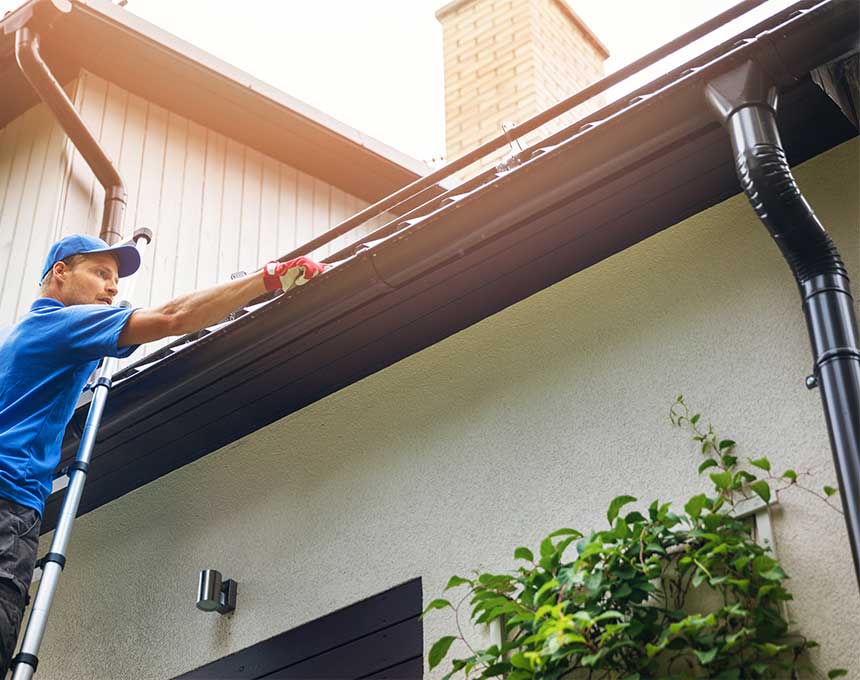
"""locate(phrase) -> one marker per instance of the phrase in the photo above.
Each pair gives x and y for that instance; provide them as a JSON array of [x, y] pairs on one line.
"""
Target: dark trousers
[[19, 540]]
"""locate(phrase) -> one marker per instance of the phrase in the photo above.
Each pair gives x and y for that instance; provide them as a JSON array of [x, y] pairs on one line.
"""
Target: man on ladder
[[45, 362]]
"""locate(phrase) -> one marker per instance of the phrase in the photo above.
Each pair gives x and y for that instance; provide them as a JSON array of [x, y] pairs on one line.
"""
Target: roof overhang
[[112, 43], [645, 166]]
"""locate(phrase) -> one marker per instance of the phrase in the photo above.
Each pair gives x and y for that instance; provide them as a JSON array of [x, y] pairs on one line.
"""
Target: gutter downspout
[[745, 102], [52, 94]]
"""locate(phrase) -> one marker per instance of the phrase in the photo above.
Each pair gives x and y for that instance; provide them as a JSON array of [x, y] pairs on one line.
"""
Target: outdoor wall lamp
[[215, 595]]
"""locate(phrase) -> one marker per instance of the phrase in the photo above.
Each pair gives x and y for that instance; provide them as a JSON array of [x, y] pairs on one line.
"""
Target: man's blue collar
[[41, 303]]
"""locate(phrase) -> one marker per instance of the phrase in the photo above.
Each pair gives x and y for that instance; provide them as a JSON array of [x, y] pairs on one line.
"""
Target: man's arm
[[197, 310]]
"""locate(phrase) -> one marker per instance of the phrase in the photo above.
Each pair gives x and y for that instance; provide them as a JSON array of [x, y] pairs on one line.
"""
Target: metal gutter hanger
[[52, 94]]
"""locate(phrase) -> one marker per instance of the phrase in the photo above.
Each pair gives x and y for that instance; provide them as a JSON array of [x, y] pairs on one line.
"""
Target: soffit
[[115, 45]]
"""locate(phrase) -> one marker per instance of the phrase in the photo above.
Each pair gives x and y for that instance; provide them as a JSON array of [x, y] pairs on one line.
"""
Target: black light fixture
[[214, 594]]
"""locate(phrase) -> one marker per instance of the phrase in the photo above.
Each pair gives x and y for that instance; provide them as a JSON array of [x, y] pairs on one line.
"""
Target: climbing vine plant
[[624, 606]]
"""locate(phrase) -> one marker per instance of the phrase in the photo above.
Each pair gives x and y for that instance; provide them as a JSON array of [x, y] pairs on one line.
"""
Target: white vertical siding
[[215, 205], [32, 159]]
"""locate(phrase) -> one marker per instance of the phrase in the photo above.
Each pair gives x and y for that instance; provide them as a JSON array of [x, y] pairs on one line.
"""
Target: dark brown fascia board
[[101, 37]]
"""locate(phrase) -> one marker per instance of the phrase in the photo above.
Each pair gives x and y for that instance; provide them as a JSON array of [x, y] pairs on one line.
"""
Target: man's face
[[92, 281]]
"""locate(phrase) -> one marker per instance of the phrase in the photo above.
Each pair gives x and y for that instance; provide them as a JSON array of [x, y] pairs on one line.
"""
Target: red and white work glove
[[286, 275]]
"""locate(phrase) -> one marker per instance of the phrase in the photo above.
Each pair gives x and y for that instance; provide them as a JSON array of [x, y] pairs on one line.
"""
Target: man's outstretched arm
[[202, 308]]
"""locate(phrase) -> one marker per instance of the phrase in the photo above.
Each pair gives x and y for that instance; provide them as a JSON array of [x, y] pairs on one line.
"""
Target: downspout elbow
[[27, 54], [745, 101]]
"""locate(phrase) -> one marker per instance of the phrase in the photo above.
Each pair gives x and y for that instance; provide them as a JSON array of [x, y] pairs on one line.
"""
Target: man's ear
[[59, 270]]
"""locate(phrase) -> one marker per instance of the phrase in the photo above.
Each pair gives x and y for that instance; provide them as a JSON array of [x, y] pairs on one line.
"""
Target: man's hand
[[285, 275], [193, 311]]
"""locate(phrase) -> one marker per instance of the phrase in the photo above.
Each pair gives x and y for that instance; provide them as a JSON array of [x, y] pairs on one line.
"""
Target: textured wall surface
[[216, 206], [506, 61], [528, 421]]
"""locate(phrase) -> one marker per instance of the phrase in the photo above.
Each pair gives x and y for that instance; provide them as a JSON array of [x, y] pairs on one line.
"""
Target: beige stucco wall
[[531, 420]]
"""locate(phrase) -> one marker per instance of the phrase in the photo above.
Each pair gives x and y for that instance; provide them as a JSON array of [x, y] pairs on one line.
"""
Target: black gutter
[[584, 95], [27, 54], [745, 101], [419, 187]]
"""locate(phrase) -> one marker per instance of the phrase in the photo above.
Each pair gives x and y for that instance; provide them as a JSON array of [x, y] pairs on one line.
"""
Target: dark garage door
[[380, 637]]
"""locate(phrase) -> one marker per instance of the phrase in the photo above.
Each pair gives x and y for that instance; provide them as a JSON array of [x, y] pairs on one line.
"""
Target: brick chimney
[[506, 61]]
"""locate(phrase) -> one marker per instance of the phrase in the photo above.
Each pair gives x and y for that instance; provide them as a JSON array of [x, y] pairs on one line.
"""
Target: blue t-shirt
[[44, 364]]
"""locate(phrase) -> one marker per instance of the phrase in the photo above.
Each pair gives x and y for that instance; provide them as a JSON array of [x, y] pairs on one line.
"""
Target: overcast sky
[[376, 65]]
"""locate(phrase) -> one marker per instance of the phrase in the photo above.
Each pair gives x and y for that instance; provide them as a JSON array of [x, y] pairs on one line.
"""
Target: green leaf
[[790, 474], [546, 547], [695, 505], [722, 480], [771, 649], [622, 591], [709, 463], [762, 463], [496, 669], [707, 656], [549, 585], [583, 618], [591, 659], [763, 563], [830, 491], [520, 675], [652, 650], [695, 418], [775, 574], [455, 581], [565, 532], [616, 505], [836, 673], [761, 488], [439, 650], [522, 553], [438, 603], [726, 444], [519, 660]]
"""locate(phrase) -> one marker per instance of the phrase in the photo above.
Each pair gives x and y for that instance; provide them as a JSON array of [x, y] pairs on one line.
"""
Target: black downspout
[[745, 101], [50, 92]]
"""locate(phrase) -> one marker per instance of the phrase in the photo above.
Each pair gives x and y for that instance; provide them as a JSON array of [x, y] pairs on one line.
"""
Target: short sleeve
[[92, 331]]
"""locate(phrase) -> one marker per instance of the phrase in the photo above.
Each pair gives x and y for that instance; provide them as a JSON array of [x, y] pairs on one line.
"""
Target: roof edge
[[123, 20]]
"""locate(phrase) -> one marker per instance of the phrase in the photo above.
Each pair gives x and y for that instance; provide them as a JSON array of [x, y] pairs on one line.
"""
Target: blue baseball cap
[[128, 257]]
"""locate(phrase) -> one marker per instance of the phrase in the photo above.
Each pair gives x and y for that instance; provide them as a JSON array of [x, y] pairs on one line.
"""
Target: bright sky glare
[[376, 65]]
